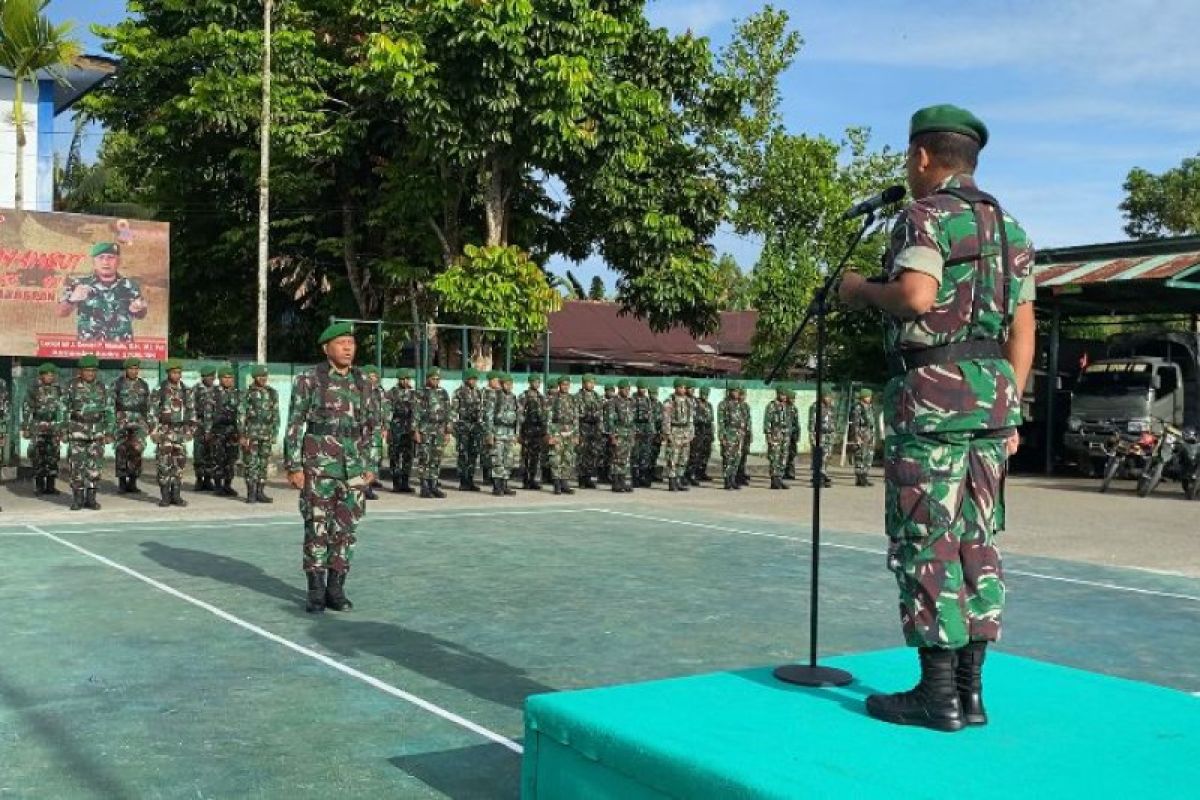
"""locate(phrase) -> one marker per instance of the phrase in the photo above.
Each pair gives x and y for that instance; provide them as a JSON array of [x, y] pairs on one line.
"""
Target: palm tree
[[29, 44]]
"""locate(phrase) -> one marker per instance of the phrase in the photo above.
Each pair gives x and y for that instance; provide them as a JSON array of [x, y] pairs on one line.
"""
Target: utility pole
[[264, 183]]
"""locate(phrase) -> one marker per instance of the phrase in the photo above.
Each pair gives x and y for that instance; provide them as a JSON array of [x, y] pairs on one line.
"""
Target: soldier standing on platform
[[401, 444], [258, 423], [489, 392], [202, 402], [88, 424], [861, 435], [41, 414], [562, 435], [434, 421], [591, 435], [678, 431], [533, 433], [379, 426], [702, 445], [172, 423], [777, 428], [467, 408], [131, 397], [620, 423], [827, 433], [500, 416], [329, 452], [223, 435], [743, 478], [793, 445]]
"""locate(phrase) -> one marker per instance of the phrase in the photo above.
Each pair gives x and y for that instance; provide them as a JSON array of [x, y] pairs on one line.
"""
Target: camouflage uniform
[[401, 445], [562, 436], [778, 429], [88, 422], [604, 468], [203, 401], [731, 430], [861, 437], [743, 478], [434, 419], [533, 435], [500, 416], [41, 417], [467, 409], [223, 439], [702, 444], [131, 397], [488, 393], [646, 425], [258, 424], [620, 423], [944, 452], [104, 315], [793, 445], [4, 411], [591, 433], [828, 431], [172, 423], [678, 431], [329, 438]]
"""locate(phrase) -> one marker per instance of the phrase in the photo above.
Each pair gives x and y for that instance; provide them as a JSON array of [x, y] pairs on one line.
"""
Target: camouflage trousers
[[223, 447], [732, 447], [44, 455], [502, 455], [381, 448], [202, 457], [621, 450], [331, 508], [591, 449], [85, 453], [702, 446], [645, 454], [863, 452], [256, 457], [678, 448], [789, 456], [562, 455], [131, 442], [429, 454], [777, 454], [469, 440], [170, 456], [944, 508], [746, 442], [533, 454], [401, 448]]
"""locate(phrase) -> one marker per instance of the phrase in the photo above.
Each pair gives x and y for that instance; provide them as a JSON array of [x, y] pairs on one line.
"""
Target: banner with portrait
[[73, 284]]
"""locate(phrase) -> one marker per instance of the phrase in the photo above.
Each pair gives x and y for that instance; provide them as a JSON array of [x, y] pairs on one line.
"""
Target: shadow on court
[[236, 572], [479, 772]]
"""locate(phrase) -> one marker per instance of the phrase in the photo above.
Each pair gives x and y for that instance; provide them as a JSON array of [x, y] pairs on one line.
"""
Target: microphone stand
[[811, 674]]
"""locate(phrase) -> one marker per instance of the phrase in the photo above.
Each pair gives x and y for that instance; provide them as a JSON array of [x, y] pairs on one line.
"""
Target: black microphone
[[892, 194]]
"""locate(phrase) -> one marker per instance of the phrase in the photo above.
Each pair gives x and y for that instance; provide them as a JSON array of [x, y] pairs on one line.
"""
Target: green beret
[[132, 362], [370, 369], [205, 371], [470, 374], [504, 377], [642, 384], [949, 119], [494, 375], [781, 390], [864, 393], [705, 391], [260, 370], [434, 372], [48, 368], [680, 383], [226, 371], [405, 373], [623, 383], [562, 379], [175, 363], [535, 379], [100, 248], [89, 362], [334, 331], [588, 377]]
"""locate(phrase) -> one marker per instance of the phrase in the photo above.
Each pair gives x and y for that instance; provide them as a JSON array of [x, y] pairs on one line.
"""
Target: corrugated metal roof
[[1147, 268]]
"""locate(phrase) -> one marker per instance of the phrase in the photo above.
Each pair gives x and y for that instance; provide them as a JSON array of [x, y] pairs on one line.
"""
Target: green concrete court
[[174, 658]]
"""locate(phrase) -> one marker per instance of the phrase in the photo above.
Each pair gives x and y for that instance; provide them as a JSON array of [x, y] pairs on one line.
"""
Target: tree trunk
[[19, 124], [494, 204], [358, 277]]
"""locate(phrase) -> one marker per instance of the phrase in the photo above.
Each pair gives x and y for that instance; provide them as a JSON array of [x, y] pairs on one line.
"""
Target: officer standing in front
[[88, 424]]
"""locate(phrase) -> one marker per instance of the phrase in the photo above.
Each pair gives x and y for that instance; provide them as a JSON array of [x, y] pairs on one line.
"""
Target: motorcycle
[[1128, 455], [1187, 456], [1163, 455]]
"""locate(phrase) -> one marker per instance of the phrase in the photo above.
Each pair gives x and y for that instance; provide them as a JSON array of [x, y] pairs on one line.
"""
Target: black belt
[[906, 360], [317, 429], [679, 424]]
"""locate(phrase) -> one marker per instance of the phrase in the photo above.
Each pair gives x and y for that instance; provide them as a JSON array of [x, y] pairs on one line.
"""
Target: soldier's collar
[[957, 181]]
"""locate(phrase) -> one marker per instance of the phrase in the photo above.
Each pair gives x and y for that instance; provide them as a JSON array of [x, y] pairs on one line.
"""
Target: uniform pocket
[[907, 512]]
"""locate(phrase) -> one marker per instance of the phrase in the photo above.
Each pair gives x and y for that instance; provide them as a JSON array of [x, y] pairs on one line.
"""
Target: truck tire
[[1149, 479]]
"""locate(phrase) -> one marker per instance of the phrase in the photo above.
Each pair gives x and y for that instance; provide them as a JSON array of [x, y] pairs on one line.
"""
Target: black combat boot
[[588, 483], [39, 485], [335, 596], [396, 482], [435, 486], [369, 492], [229, 490], [694, 479], [616, 485], [728, 484], [507, 491], [405, 488], [671, 487], [776, 483], [558, 487], [89, 499], [50, 487], [968, 678], [783, 485], [176, 500], [566, 487], [251, 495], [790, 473], [164, 490], [316, 593], [683, 484], [464, 485], [132, 486], [76, 499], [497, 487], [932, 703], [121, 488], [426, 492], [260, 493]]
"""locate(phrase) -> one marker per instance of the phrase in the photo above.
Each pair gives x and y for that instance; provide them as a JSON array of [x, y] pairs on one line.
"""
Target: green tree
[[1166, 204], [596, 290], [30, 44]]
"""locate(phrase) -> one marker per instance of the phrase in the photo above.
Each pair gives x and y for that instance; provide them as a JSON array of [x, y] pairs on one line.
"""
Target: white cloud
[[699, 17]]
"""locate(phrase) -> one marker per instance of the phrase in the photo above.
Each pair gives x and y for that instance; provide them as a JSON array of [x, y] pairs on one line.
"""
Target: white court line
[[1023, 573], [373, 682], [18, 533]]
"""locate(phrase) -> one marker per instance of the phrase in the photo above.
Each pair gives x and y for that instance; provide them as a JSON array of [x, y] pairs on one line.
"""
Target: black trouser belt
[[904, 361], [318, 429]]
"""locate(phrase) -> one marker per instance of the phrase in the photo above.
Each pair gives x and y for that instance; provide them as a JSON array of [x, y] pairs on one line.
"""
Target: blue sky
[[1075, 92]]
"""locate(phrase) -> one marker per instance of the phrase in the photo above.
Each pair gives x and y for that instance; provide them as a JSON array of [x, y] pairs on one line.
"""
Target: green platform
[[1055, 732]]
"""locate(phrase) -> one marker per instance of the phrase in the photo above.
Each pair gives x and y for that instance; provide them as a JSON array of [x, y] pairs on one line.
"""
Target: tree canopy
[[1166, 204]]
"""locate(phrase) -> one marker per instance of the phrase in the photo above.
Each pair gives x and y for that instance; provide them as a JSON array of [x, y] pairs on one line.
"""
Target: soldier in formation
[[489, 392], [466, 407], [533, 433], [620, 425], [88, 424], [172, 423], [379, 426], [822, 414], [202, 401], [562, 435], [329, 452], [131, 398], [777, 428], [401, 441], [647, 427], [702, 444], [591, 434], [731, 433], [678, 430], [743, 478], [223, 439], [258, 424], [604, 468], [501, 414], [793, 446], [41, 416], [861, 436], [434, 423]]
